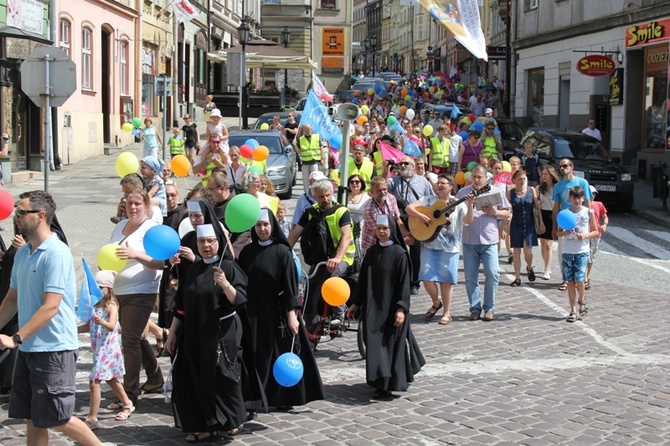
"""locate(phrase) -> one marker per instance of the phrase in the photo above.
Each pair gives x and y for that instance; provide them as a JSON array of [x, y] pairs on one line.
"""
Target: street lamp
[[429, 55], [285, 40], [366, 44], [243, 36], [373, 46]]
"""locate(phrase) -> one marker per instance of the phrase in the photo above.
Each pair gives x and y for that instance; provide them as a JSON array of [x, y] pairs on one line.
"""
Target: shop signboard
[[616, 87], [596, 65]]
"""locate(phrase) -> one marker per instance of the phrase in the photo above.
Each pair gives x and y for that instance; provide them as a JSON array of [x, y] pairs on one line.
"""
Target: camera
[[391, 163]]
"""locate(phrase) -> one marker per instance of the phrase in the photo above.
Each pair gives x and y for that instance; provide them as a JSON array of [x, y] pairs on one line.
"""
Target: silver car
[[281, 164]]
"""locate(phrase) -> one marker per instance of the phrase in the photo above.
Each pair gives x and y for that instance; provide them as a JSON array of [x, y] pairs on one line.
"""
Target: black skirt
[[548, 224]]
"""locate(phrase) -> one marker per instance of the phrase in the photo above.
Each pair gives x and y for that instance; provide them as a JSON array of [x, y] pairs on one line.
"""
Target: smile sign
[[595, 65]]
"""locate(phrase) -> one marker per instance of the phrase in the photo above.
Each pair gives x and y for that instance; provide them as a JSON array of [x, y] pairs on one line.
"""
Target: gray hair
[[318, 185], [248, 178]]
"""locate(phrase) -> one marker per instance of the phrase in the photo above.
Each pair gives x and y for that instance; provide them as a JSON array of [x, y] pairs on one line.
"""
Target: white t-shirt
[[456, 140], [595, 133], [135, 278], [572, 245], [449, 238]]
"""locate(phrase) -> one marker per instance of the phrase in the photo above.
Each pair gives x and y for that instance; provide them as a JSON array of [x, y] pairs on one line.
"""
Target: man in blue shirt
[[43, 291]]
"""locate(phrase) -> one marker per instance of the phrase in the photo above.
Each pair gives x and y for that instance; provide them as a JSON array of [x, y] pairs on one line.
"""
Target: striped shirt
[[484, 228]]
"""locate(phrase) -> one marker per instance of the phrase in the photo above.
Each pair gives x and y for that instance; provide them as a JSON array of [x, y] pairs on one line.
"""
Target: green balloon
[[391, 120], [471, 165], [255, 169], [137, 122], [242, 212]]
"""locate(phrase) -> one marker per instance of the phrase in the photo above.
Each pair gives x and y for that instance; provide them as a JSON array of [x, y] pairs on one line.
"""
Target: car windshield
[[267, 119], [271, 141], [510, 130], [580, 149]]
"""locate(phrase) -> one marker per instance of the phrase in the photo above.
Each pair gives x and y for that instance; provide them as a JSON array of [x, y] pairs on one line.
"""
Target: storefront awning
[[267, 54]]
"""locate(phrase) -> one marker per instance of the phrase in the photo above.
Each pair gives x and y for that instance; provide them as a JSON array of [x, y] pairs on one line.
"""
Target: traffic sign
[[162, 84], [62, 76]]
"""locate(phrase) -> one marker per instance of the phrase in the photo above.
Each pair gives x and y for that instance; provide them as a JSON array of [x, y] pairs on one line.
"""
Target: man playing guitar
[[440, 253]]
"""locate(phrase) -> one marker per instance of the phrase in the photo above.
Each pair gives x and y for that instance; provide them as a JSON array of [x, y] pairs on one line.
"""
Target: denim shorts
[[43, 388], [574, 266]]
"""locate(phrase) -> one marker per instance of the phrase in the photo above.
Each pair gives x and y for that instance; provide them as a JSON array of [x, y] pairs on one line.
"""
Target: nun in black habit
[[205, 338], [272, 301], [383, 291]]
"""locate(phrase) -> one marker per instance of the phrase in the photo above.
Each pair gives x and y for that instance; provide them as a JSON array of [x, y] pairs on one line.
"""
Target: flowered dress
[[107, 357]]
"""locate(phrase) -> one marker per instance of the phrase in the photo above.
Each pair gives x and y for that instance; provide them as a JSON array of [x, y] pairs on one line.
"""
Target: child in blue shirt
[[151, 169]]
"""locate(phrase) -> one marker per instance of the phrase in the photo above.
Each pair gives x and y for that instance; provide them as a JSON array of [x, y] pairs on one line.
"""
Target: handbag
[[536, 215]]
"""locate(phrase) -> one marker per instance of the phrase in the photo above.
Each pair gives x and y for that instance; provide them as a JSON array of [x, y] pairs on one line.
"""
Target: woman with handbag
[[272, 302], [523, 235]]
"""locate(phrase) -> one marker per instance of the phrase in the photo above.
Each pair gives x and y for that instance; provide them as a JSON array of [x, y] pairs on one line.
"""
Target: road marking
[[606, 248], [648, 247]]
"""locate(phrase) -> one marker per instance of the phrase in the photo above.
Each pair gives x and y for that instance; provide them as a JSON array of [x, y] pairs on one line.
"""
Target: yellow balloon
[[126, 163], [127, 127], [335, 176], [365, 109], [335, 291], [265, 126], [107, 258], [507, 167], [427, 130]]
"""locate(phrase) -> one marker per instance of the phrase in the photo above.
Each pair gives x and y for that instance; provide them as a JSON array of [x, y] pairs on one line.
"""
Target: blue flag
[[397, 127], [411, 148], [455, 112], [89, 295], [316, 115]]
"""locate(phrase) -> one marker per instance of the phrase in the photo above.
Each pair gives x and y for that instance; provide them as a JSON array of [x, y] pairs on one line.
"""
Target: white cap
[[318, 175], [593, 190], [193, 206], [205, 231], [264, 216], [105, 278], [215, 112], [487, 111], [383, 219]]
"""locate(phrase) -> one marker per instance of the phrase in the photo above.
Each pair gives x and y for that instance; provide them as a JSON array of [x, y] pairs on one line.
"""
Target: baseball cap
[[358, 147], [316, 176], [488, 110], [593, 190], [215, 112]]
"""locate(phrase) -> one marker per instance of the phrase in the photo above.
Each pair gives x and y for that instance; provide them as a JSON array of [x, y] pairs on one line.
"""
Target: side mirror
[[616, 160]]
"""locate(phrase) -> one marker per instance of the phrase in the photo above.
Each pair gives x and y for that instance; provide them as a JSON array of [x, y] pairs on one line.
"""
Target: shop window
[[656, 109], [87, 59], [65, 36], [535, 105]]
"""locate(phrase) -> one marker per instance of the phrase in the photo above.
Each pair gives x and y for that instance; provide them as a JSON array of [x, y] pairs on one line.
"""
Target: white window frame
[[124, 73], [65, 36], [87, 58]]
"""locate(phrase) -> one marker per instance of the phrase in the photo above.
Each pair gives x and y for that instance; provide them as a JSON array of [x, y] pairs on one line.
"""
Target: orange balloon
[[403, 92], [335, 291], [362, 120], [261, 153], [180, 166], [403, 110], [357, 93], [459, 178]]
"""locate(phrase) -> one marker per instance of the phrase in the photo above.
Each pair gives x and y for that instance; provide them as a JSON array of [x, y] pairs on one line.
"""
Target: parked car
[[445, 109], [511, 134], [346, 95], [281, 164], [391, 76], [300, 106], [266, 118], [591, 159], [367, 83]]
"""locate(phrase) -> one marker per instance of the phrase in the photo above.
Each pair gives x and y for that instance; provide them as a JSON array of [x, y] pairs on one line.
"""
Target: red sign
[[652, 32], [596, 65]]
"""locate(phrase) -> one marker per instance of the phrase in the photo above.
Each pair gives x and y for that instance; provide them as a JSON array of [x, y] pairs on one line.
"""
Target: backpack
[[316, 243]]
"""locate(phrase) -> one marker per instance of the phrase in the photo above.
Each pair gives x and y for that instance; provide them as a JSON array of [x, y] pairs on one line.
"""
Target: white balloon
[[410, 114], [185, 227]]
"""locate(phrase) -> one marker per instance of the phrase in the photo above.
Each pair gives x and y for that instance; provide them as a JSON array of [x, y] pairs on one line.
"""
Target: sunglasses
[[20, 213], [354, 182], [489, 128], [564, 166], [404, 164]]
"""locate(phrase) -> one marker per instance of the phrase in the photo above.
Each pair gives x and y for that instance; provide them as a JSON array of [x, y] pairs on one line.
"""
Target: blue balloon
[[335, 141], [378, 89], [465, 135], [288, 370], [252, 142], [354, 101], [161, 242], [479, 126], [421, 100], [496, 131], [566, 219]]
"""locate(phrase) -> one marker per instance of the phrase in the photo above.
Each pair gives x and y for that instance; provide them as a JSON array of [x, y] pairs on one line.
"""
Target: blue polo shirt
[[49, 269]]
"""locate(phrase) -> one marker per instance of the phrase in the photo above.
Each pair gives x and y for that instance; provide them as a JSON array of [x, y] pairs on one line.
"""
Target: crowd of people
[[228, 302]]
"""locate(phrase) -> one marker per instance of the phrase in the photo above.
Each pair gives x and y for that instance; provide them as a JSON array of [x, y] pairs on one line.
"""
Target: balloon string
[[186, 184], [292, 343]]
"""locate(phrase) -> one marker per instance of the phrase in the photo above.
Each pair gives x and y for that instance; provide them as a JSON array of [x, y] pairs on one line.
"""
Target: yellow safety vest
[[208, 172], [366, 170], [176, 146], [274, 203], [333, 225], [490, 148], [310, 149], [440, 154]]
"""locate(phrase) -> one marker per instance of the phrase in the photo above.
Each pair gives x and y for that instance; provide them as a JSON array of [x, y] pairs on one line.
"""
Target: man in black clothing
[[291, 130]]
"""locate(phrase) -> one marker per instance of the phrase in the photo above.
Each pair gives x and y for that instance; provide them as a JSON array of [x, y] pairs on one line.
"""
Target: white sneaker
[[547, 274]]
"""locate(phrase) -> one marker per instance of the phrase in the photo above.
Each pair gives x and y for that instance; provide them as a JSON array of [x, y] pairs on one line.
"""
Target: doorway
[[564, 105], [106, 79]]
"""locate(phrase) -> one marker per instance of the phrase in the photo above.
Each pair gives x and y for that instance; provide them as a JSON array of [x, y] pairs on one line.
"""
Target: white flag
[[320, 89], [184, 10]]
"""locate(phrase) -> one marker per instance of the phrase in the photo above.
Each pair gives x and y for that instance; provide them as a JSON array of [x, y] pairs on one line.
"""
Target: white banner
[[184, 10], [27, 15]]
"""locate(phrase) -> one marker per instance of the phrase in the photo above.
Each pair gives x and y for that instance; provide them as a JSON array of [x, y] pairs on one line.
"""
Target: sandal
[[145, 390], [510, 258], [160, 343], [125, 413], [531, 274], [116, 405], [201, 436], [432, 310], [587, 284], [563, 286], [235, 430], [516, 283], [92, 424], [582, 308], [445, 319], [572, 317]]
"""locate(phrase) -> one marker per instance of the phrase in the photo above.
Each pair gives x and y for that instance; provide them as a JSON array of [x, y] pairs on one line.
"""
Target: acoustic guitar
[[427, 232]]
